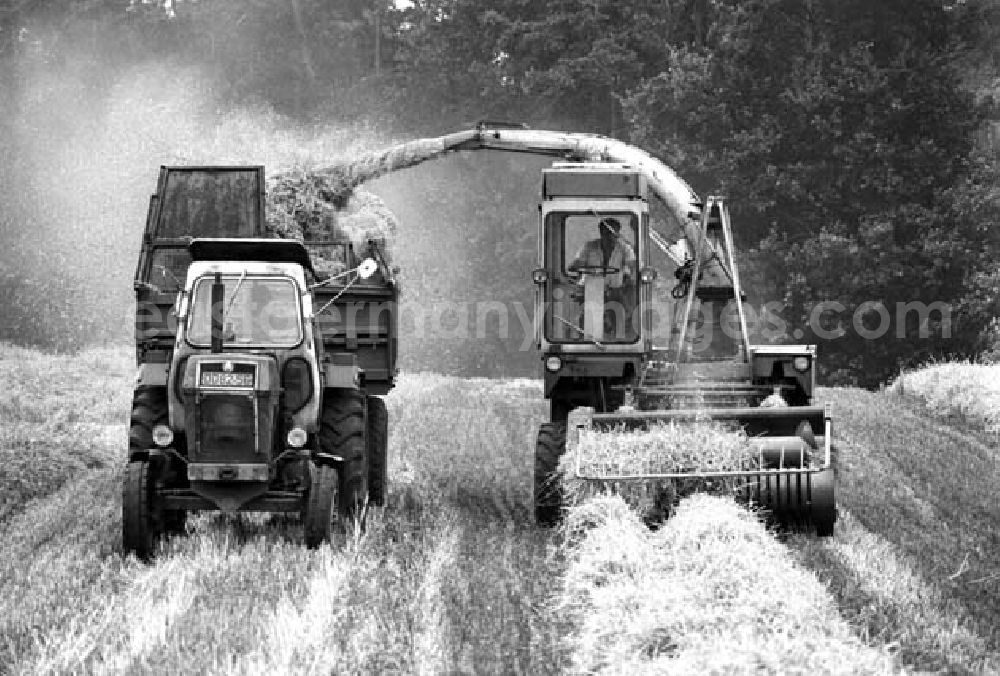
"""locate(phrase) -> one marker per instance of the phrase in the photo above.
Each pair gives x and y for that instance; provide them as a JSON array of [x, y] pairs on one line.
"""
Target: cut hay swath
[[662, 448], [710, 592], [968, 390]]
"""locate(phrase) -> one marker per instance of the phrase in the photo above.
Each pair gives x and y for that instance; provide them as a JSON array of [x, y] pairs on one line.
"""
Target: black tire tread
[[378, 450], [149, 409], [549, 448], [139, 530], [321, 506], [342, 433]]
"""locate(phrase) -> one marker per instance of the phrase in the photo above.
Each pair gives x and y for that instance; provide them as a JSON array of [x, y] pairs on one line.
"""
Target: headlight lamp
[[297, 437], [553, 363], [162, 435], [801, 364]]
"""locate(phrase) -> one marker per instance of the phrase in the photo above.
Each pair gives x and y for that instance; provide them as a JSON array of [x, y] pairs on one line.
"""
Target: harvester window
[[592, 294], [260, 312]]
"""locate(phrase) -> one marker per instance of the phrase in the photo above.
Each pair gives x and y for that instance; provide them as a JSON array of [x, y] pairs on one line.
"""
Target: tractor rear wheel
[[342, 433], [549, 447], [378, 450], [321, 517], [141, 518]]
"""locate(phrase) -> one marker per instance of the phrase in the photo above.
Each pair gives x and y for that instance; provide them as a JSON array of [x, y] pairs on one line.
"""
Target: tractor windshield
[[259, 312], [593, 277]]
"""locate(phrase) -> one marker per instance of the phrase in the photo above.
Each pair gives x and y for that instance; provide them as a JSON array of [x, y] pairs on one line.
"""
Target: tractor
[[259, 376]]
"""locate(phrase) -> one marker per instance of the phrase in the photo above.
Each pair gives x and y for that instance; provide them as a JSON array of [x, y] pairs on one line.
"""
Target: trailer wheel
[[342, 433], [549, 447], [378, 450], [141, 523], [321, 518]]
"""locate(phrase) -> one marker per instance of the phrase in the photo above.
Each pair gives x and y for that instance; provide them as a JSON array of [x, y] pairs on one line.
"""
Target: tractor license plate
[[224, 379]]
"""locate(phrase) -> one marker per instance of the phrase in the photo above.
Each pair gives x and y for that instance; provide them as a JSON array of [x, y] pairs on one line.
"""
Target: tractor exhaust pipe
[[218, 309]]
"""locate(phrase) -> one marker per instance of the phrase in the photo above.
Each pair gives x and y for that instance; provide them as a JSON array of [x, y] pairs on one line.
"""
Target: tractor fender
[[152, 375], [155, 455], [328, 459]]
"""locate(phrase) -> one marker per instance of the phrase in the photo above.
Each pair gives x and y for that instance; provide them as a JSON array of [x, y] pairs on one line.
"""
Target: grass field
[[452, 576]]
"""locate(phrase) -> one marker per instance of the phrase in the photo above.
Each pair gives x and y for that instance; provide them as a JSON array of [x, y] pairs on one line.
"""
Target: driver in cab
[[609, 250], [612, 257]]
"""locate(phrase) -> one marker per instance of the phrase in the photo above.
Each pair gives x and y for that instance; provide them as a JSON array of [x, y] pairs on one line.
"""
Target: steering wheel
[[594, 270]]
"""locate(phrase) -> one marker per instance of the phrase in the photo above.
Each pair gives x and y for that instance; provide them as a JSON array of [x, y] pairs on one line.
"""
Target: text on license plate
[[222, 379]]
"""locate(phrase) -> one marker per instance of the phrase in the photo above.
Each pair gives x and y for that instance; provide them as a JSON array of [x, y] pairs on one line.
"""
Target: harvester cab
[[250, 395], [599, 307]]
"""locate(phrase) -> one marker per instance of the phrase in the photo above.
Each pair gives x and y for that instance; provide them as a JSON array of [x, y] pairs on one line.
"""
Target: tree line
[[855, 140]]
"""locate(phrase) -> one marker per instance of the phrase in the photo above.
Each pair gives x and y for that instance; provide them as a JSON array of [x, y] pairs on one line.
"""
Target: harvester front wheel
[[378, 450], [549, 447], [342, 433], [321, 518], [141, 522]]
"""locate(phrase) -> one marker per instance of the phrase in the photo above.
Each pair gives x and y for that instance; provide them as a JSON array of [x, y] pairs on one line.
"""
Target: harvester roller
[[800, 501], [793, 481]]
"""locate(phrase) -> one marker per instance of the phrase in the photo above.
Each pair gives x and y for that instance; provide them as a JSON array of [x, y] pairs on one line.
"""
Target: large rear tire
[[141, 518], [549, 448], [342, 433], [321, 518], [378, 450]]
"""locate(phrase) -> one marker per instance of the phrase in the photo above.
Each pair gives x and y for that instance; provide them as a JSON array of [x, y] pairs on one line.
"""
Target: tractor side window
[[259, 312]]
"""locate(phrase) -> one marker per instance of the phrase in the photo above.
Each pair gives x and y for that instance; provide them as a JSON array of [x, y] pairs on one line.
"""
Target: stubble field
[[452, 576]]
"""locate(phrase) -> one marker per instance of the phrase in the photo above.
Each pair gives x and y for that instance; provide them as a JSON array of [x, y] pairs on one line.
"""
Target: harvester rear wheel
[[342, 433], [321, 518], [378, 450], [549, 447], [141, 523]]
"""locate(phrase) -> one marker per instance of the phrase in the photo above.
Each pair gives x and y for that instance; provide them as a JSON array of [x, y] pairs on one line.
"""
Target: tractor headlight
[[553, 364], [162, 435], [297, 437], [801, 364]]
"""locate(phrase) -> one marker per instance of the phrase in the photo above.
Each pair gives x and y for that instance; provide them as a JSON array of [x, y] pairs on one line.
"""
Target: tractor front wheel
[[141, 516], [549, 448], [321, 517], [149, 409]]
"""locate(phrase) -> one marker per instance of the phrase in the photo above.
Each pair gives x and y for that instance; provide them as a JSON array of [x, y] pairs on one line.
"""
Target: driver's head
[[609, 227]]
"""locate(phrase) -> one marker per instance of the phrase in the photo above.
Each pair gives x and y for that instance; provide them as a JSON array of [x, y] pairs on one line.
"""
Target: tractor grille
[[227, 428]]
